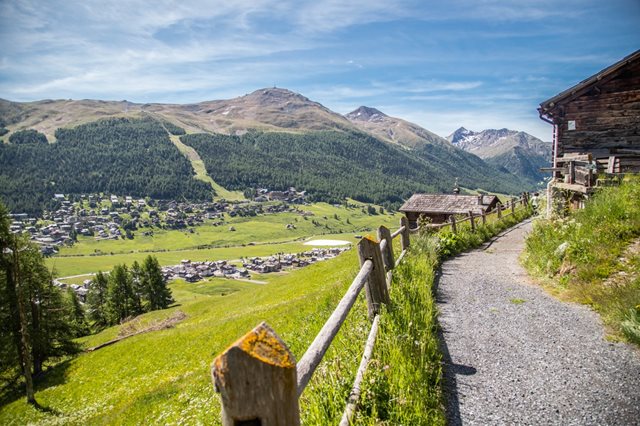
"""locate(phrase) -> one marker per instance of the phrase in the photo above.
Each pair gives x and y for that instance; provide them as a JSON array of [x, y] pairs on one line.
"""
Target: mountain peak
[[365, 113], [459, 135], [275, 95]]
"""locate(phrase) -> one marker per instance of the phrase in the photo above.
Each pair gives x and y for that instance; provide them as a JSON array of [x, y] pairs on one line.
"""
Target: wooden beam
[[256, 378]]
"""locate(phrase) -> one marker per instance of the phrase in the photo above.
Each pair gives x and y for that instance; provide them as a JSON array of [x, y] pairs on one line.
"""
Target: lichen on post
[[257, 382]]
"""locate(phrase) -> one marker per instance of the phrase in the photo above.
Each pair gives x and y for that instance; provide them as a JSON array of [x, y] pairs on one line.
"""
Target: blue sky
[[440, 64]]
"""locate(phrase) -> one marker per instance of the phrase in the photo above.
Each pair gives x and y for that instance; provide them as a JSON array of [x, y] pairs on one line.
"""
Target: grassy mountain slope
[[331, 166]]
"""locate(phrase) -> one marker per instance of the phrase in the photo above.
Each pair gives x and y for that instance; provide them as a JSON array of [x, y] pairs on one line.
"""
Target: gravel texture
[[515, 355]]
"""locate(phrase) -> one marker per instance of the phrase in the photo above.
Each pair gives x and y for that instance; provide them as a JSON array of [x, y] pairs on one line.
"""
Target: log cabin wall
[[607, 117]]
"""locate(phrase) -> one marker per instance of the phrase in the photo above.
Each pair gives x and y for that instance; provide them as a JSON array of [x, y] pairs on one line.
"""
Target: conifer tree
[[34, 320], [157, 293], [97, 301]]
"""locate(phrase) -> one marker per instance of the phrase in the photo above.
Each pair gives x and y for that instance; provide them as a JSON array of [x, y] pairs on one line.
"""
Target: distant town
[[197, 271], [117, 217]]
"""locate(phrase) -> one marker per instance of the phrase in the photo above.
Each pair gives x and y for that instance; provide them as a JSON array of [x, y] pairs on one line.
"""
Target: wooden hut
[[439, 207], [596, 127]]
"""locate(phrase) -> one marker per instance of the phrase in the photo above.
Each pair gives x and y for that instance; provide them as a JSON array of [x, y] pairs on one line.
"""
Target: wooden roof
[[586, 84], [447, 203]]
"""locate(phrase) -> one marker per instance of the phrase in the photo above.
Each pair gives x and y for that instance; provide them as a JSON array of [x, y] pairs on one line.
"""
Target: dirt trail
[[515, 355]]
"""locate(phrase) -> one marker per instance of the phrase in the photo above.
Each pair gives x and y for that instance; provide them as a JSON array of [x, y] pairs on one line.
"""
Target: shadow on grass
[[14, 390]]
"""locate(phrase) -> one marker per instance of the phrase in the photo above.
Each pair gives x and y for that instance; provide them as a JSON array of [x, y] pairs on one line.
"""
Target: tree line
[[116, 155]]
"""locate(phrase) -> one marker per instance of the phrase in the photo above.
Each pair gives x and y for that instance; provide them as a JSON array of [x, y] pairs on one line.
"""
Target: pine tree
[[157, 293], [119, 295], [137, 289], [97, 301], [34, 319], [77, 314]]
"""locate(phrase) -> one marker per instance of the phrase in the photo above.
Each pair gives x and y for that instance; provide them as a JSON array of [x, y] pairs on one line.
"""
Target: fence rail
[[257, 377]]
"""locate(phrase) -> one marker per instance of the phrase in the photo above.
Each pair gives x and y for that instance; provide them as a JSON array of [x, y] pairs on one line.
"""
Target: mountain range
[[365, 154], [518, 152]]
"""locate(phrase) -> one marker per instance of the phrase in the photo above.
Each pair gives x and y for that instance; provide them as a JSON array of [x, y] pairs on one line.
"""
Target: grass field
[[268, 232], [163, 377]]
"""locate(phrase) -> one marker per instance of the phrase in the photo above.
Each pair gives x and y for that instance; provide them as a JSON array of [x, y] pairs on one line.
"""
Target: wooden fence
[[257, 377], [501, 211]]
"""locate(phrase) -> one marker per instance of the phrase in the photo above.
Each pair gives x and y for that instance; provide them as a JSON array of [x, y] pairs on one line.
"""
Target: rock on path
[[515, 355]]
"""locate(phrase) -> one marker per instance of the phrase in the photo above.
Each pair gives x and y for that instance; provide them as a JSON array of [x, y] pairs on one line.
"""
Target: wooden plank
[[452, 220], [499, 209], [312, 357], [376, 287], [573, 157], [387, 254], [354, 396], [572, 187], [256, 378], [611, 165], [400, 258], [472, 221], [405, 236]]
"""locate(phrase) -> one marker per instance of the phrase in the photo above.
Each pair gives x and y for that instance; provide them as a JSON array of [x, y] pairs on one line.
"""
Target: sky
[[440, 64]]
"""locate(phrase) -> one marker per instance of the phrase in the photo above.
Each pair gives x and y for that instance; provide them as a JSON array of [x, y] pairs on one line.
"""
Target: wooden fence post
[[376, 288], [513, 204], [256, 378], [404, 236], [452, 219], [483, 216], [472, 220], [499, 207], [387, 255]]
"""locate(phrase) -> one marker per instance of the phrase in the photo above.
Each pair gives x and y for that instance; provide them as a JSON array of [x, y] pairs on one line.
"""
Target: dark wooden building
[[596, 126], [439, 207]]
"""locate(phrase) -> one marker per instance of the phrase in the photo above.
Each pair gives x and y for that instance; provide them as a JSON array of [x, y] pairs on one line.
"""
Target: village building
[[440, 207], [596, 129]]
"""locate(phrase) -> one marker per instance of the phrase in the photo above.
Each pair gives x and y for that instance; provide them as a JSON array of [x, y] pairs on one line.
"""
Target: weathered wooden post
[[256, 378], [405, 235], [483, 216], [499, 207], [452, 219], [472, 220], [376, 288], [513, 204], [387, 255]]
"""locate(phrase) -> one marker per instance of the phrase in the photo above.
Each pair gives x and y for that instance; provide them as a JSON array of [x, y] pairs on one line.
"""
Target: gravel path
[[515, 355]]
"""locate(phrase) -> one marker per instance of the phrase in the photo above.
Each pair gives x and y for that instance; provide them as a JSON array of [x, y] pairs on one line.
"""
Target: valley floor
[[515, 355]]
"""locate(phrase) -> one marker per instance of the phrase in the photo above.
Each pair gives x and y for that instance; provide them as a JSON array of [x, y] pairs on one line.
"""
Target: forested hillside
[[117, 155], [332, 165]]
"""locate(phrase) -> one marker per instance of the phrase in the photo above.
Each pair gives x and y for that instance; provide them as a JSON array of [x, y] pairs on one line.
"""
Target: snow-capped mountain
[[518, 152]]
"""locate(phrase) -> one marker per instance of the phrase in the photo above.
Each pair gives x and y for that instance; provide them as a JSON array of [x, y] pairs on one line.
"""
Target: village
[[198, 271], [193, 272], [116, 217]]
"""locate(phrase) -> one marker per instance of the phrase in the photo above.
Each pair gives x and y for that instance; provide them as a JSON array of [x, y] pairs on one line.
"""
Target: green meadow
[[163, 377]]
